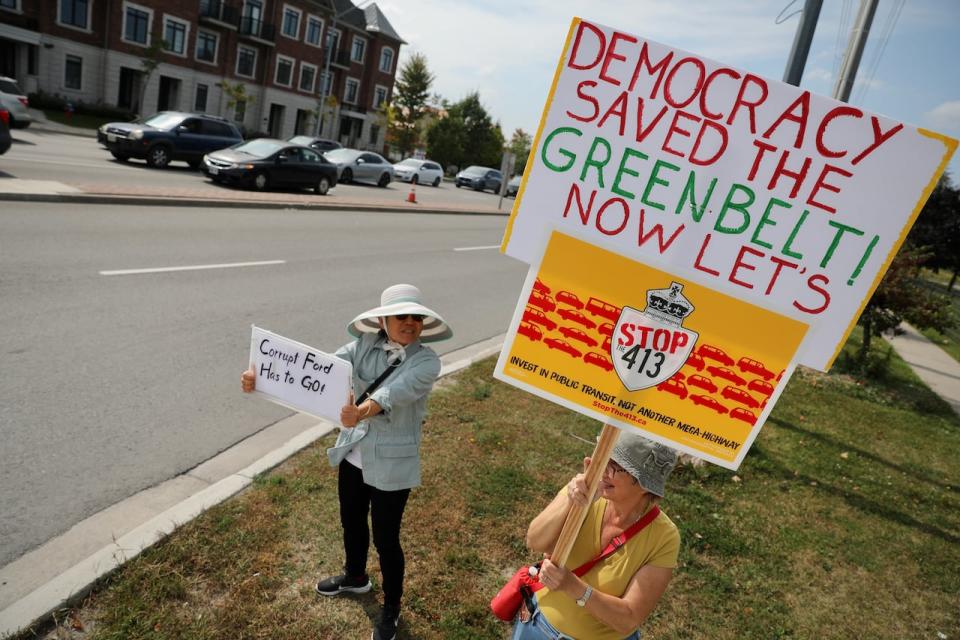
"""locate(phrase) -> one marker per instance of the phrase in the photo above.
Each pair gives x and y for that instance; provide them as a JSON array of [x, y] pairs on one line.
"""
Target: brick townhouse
[[92, 51]]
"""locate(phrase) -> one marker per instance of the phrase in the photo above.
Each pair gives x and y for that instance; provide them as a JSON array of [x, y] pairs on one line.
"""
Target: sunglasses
[[416, 317], [613, 469]]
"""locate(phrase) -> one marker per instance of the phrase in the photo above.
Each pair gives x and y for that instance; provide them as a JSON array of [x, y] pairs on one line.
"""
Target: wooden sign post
[[577, 514]]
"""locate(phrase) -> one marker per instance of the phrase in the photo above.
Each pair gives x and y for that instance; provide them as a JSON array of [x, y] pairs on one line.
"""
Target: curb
[[78, 580]]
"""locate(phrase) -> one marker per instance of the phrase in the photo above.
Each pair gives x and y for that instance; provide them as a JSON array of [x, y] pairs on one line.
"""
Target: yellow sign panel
[[707, 367]]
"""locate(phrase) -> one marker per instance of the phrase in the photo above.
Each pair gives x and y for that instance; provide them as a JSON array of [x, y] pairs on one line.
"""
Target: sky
[[507, 50]]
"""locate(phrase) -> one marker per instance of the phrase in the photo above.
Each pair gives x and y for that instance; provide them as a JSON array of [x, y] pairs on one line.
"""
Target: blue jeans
[[537, 628]]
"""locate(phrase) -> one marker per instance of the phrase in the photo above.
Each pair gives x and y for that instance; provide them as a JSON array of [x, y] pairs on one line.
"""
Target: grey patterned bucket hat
[[647, 461]]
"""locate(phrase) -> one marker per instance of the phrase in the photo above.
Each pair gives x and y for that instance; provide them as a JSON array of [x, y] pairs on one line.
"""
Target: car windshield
[[410, 162], [164, 120], [260, 147], [475, 170], [304, 140], [340, 155], [8, 86]]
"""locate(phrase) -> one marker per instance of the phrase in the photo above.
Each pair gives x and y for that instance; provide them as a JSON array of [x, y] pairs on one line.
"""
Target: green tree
[[938, 229], [484, 145], [149, 63], [236, 95], [410, 102], [520, 143], [446, 140]]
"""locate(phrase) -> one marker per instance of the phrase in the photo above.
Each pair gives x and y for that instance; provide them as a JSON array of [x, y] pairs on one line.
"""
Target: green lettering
[[571, 157], [655, 179], [627, 154], [765, 220], [731, 205], [689, 191], [841, 229], [598, 164], [793, 234]]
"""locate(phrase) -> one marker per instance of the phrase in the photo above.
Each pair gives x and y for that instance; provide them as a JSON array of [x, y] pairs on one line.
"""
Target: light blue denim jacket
[[389, 442]]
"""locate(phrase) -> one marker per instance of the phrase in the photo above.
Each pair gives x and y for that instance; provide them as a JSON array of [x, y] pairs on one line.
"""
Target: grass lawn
[[843, 522], [83, 121], [950, 340]]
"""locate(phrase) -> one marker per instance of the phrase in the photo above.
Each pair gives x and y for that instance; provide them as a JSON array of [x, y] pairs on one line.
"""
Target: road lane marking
[[195, 267], [491, 246]]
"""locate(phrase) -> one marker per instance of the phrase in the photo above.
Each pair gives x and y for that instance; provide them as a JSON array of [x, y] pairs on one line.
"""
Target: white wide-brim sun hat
[[401, 299]]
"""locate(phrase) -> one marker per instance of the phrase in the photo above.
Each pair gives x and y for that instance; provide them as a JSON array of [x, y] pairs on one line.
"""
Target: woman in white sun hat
[[378, 449]]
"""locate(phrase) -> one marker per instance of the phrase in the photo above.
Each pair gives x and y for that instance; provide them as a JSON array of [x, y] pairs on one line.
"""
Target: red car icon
[[759, 386], [538, 317], [739, 413], [561, 345], [539, 286], [748, 365], [575, 316], [709, 352], [569, 298], [530, 331], [606, 329], [726, 374], [678, 376], [739, 395], [703, 382], [579, 335], [695, 361], [541, 300], [598, 359], [709, 403], [606, 345], [675, 387]]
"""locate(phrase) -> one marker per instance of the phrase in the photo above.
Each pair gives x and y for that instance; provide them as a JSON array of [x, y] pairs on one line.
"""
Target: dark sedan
[[267, 163], [5, 139], [320, 144], [479, 178]]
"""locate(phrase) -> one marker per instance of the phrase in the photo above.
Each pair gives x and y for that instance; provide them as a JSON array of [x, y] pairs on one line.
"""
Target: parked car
[[513, 187], [15, 101], [5, 140], [361, 166], [318, 144], [169, 136], [265, 163], [480, 178], [418, 171]]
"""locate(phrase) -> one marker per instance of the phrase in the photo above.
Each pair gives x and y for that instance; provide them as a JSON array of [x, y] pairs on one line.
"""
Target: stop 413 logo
[[651, 345]]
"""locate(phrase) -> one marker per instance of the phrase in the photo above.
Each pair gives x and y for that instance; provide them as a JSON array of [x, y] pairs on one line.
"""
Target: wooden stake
[[577, 514]]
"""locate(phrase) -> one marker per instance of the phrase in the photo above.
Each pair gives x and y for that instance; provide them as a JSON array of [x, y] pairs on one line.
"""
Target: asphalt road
[[113, 383], [80, 161]]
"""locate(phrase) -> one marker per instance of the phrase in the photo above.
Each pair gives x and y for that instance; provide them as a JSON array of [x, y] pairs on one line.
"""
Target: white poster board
[[299, 377]]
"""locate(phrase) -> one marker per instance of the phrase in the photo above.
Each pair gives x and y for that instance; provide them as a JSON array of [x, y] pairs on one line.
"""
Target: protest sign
[[788, 200], [642, 348], [300, 377]]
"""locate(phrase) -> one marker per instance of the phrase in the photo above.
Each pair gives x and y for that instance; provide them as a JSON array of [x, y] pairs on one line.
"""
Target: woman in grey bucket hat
[[613, 598]]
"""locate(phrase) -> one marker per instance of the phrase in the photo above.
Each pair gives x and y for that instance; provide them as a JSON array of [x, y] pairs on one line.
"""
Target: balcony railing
[[340, 59], [219, 12], [258, 29]]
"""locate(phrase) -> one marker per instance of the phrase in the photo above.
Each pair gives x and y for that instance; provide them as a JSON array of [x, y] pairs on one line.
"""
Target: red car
[[695, 361], [726, 374], [709, 352], [539, 286], [530, 331], [675, 387], [575, 316], [606, 329], [748, 365], [703, 382], [606, 345], [678, 376], [739, 413], [739, 395], [561, 345], [759, 386], [579, 335], [541, 300], [538, 317], [569, 298], [598, 359], [709, 403]]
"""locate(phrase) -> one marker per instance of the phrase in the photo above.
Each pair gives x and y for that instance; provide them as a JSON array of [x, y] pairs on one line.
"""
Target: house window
[[73, 73], [374, 133], [175, 35], [207, 46], [314, 30], [326, 83], [200, 102], [246, 62], [308, 75], [136, 24], [284, 72], [379, 96], [386, 59], [333, 40], [73, 13], [9, 4], [350, 91], [359, 46], [291, 22]]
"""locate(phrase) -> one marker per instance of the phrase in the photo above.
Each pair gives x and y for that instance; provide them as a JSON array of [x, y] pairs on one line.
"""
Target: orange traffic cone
[[412, 196]]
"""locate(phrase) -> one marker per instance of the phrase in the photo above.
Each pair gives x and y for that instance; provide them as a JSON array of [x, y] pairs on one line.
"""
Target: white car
[[13, 100], [418, 171]]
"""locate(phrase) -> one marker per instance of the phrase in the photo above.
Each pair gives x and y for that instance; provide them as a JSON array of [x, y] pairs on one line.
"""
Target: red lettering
[[661, 339], [703, 249], [641, 132], [675, 128], [762, 148], [823, 292], [668, 95], [803, 102], [586, 98], [626, 337], [706, 88], [579, 40], [626, 216], [680, 339], [740, 264], [797, 176], [776, 272], [612, 55], [575, 194], [751, 106], [823, 184], [878, 139], [836, 112], [659, 68], [658, 230], [621, 101], [719, 128]]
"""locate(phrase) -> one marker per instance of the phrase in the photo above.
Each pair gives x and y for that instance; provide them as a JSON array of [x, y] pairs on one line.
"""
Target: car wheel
[[158, 156], [436, 182], [346, 176], [458, 185], [194, 164], [478, 187], [415, 179], [384, 180], [322, 186], [122, 157], [217, 179], [260, 181]]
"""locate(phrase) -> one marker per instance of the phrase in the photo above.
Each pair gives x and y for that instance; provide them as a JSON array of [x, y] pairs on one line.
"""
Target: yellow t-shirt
[[658, 544]]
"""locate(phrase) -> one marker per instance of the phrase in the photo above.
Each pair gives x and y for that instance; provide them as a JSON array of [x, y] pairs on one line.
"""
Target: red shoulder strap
[[619, 541]]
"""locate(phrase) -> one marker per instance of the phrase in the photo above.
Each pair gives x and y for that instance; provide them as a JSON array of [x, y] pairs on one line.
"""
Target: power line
[[892, 17]]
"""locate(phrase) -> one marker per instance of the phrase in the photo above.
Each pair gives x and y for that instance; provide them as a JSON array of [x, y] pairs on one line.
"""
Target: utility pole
[[851, 59], [801, 42]]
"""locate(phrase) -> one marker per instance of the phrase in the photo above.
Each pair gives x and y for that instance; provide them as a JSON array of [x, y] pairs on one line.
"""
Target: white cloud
[[944, 117]]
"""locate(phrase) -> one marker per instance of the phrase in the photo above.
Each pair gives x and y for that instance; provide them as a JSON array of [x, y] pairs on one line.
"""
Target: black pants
[[386, 512]]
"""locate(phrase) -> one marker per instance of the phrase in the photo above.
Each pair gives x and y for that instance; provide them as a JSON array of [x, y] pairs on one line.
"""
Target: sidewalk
[[932, 364]]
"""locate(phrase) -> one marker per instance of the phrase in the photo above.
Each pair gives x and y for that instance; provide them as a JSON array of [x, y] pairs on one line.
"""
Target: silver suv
[[13, 100]]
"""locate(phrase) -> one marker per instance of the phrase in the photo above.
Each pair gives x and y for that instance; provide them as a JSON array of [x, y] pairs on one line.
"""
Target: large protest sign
[[761, 190], [644, 348], [300, 377]]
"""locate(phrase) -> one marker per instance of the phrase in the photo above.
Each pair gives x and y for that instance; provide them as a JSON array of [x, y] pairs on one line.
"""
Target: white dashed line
[[196, 267]]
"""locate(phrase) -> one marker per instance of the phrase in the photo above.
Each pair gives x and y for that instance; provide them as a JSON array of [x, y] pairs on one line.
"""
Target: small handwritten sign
[[299, 377]]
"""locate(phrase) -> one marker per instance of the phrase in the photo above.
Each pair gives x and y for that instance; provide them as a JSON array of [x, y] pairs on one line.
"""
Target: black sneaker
[[343, 584], [386, 629]]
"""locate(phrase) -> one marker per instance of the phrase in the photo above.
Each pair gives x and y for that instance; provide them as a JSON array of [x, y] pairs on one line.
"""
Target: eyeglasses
[[613, 469], [416, 317]]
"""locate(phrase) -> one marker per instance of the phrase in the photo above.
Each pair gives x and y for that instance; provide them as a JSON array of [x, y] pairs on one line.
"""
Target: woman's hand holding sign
[[351, 415], [577, 489], [248, 380]]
